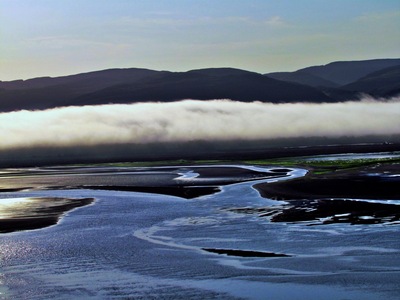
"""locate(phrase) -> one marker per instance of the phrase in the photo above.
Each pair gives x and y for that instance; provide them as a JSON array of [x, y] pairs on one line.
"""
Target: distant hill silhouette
[[346, 80], [345, 72], [335, 74], [48, 92], [302, 78], [84, 82], [337, 81], [141, 85], [204, 85], [383, 83]]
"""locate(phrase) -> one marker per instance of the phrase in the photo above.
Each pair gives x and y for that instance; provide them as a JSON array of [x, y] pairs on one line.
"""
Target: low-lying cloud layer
[[192, 120]]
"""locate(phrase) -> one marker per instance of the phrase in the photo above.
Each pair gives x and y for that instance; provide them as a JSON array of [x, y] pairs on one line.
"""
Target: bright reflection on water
[[13, 207], [360, 156], [131, 245]]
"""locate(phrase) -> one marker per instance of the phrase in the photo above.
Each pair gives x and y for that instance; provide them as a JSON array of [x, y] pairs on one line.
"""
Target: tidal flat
[[304, 228]]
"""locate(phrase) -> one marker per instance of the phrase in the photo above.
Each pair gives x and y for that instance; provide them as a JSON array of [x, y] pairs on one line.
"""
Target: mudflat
[[356, 196], [379, 181]]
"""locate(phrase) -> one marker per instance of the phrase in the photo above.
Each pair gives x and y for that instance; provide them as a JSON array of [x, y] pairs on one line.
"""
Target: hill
[[84, 82], [204, 85], [141, 85], [345, 72], [302, 78], [335, 74], [47, 92], [337, 81], [383, 83], [345, 80]]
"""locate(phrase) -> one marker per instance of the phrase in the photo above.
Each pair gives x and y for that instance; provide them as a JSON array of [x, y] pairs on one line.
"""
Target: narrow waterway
[[153, 246]]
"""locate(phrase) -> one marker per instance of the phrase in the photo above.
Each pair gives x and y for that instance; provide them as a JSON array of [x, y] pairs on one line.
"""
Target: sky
[[61, 37]]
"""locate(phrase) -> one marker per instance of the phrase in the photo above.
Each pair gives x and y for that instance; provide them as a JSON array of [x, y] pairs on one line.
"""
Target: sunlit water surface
[[147, 246]]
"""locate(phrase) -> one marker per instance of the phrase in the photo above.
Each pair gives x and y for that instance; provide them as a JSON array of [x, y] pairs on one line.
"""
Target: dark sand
[[244, 253], [322, 212], [370, 182], [186, 192], [338, 197]]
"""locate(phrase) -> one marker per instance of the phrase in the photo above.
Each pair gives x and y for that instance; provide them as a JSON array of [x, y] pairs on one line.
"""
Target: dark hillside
[[138, 85], [241, 86], [383, 83], [302, 78], [377, 77], [87, 82], [47, 92], [345, 72]]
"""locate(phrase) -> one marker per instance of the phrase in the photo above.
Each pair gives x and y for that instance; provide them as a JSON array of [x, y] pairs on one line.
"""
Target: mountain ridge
[[148, 85], [132, 85], [345, 72], [335, 74], [384, 83]]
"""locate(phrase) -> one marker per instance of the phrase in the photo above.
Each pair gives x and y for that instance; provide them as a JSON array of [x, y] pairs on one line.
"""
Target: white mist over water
[[192, 120]]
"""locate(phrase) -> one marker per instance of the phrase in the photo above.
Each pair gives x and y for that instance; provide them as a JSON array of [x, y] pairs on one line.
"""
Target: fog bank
[[194, 120]]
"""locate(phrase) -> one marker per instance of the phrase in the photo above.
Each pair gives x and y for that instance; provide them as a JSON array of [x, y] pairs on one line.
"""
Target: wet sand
[[319, 198], [37, 213], [371, 182], [323, 212], [202, 180], [345, 196], [244, 253], [42, 212], [186, 192]]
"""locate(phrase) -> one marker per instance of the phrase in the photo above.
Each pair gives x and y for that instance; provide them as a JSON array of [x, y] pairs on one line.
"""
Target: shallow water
[[347, 156], [148, 246]]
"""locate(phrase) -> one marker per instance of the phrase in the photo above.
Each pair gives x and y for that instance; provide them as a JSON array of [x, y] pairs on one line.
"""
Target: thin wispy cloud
[[373, 17], [275, 21]]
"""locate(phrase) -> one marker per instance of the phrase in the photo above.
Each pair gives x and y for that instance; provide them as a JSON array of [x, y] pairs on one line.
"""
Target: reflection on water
[[3, 289], [13, 207], [133, 245], [35, 212], [347, 156]]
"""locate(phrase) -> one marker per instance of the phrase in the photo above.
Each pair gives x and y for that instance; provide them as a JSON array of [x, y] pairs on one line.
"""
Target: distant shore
[[190, 152]]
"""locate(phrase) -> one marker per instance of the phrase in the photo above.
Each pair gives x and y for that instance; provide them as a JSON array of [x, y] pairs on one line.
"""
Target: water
[[147, 246], [347, 156]]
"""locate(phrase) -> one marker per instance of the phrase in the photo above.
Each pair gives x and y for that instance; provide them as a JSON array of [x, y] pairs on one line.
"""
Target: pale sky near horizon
[[61, 37]]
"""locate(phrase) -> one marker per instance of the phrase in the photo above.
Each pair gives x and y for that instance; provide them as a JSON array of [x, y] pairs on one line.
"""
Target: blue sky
[[60, 37]]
